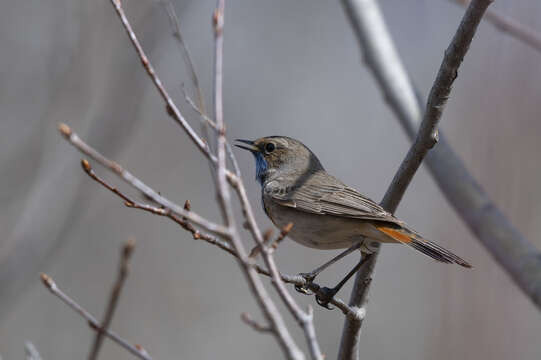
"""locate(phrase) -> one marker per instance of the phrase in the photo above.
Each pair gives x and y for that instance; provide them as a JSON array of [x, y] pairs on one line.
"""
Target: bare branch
[[213, 240], [248, 320], [177, 33], [373, 36], [126, 252], [225, 199], [427, 136], [171, 107], [130, 179], [304, 319], [136, 350], [223, 176], [518, 256], [30, 351], [510, 26]]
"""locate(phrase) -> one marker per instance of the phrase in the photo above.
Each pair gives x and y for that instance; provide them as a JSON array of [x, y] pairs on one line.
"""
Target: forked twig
[[136, 350], [126, 253]]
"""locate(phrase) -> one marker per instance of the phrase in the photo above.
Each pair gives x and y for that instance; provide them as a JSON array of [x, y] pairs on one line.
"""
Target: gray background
[[291, 67]]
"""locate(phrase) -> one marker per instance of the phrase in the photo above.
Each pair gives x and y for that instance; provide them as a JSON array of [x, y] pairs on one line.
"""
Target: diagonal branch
[[369, 27], [213, 240], [133, 181], [171, 107], [126, 253], [511, 27], [136, 350]]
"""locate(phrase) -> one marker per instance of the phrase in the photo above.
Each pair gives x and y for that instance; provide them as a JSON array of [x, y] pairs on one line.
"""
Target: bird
[[324, 211]]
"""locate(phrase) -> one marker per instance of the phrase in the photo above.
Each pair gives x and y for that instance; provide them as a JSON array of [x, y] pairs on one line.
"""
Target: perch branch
[[136, 350], [126, 252], [518, 256], [213, 240], [510, 26], [368, 25]]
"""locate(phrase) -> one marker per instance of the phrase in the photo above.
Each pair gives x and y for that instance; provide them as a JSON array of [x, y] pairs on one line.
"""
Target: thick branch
[[427, 136], [379, 51]]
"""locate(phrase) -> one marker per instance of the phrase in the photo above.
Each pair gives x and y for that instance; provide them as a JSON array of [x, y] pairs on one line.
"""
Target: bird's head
[[280, 155]]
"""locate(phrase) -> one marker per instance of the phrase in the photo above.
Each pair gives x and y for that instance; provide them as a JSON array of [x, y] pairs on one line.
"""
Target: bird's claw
[[324, 296], [308, 277], [302, 289]]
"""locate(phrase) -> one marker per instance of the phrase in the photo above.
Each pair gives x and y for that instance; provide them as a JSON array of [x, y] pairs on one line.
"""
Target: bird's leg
[[310, 276], [325, 294]]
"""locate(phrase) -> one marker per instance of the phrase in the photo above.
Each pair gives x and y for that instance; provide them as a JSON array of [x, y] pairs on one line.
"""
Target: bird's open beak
[[249, 145]]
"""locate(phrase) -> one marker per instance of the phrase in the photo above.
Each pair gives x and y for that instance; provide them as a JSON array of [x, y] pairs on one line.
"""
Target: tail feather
[[427, 247]]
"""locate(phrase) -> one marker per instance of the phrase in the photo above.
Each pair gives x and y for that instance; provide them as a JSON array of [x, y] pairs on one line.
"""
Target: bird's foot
[[325, 295], [303, 289]]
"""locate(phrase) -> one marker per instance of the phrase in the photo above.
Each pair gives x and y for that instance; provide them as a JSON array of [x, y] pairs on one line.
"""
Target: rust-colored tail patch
[[395, 234], [427, 247]]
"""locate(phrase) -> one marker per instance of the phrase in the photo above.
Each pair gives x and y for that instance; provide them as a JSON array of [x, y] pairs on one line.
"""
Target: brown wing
[[321, 193]]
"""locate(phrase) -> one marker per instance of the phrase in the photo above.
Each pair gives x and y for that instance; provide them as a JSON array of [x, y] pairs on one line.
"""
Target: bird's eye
[[269, 147]]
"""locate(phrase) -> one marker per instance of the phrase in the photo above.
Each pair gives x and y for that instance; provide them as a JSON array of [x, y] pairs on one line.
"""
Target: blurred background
[[291, 68]]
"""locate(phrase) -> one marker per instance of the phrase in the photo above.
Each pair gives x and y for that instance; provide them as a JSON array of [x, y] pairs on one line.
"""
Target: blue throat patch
[[260, 167]]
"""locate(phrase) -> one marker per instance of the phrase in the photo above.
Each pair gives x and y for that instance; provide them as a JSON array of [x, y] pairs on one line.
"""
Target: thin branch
[[126, 252], [224, 195], [510, 26], [370, 29], [213, 240], [130, 179], [518, 256], [274, 244], [30, 351], [136, 350], [248, 320], [222, 178], [171, 107], [177, 33], [202, 114], [304, 319]]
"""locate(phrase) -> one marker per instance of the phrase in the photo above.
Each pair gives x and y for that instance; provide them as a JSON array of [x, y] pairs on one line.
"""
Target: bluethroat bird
[[326, 213]]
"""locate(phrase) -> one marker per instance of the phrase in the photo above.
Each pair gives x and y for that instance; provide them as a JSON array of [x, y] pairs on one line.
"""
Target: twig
[[177, 33], [223, 189], [222, 178], [212, 124], [274, 244], [304, 319], [30, 351], [246, 318], [130, 179], [126, 252], [510, 26], [202, 114], [171, 107], [378, 49], [136, 350], [213, 240]]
